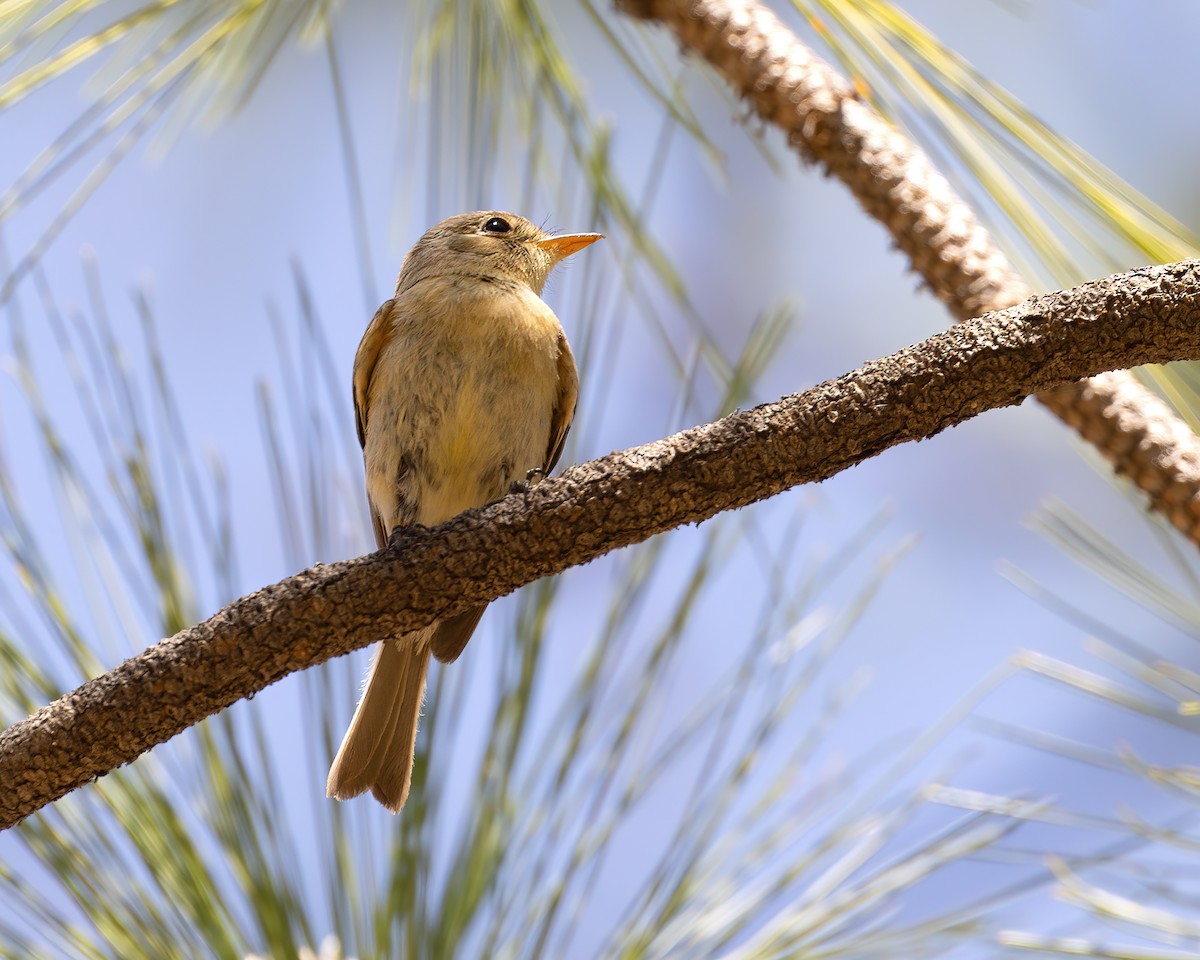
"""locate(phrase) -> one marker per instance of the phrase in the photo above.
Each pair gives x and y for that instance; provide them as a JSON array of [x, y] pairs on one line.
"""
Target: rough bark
[[895, 181], [1149, 315]]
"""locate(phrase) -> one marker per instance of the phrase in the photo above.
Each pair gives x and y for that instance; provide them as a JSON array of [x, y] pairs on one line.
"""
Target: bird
[[464, 386]]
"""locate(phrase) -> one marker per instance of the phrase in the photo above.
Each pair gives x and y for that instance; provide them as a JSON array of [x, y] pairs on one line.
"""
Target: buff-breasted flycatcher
[[463, 384]]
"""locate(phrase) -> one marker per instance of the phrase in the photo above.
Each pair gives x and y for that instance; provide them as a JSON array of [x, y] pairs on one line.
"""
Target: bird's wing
[[564, 405], [450, 636], [364, 365]]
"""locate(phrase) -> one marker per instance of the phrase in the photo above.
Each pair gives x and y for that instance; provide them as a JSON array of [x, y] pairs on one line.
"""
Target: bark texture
[[1149, 315], [789, 86]]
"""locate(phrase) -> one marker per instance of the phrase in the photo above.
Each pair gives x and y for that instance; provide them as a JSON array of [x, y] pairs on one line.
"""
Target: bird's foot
[[536, 475]]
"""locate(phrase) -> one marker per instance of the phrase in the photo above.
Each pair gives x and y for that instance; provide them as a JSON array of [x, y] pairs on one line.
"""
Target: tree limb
[[1145, 316], [897, 184]]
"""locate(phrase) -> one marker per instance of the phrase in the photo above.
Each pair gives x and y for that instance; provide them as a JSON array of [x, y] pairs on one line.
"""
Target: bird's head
[[490, 244]]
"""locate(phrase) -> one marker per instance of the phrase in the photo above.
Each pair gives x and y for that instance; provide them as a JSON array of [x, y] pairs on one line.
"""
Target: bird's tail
[[377, 752]]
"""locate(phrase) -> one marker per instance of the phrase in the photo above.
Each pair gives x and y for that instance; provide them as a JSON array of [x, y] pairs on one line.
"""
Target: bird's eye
[[497, 225]]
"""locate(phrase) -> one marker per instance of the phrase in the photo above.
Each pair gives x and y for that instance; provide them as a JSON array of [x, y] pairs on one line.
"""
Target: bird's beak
[[565, 244]]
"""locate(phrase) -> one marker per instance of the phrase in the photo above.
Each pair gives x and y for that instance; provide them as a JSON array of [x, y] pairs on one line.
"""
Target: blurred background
[[933, 705]]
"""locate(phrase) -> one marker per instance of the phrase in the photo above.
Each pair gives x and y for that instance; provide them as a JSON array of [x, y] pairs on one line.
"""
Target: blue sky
[[213, 225]]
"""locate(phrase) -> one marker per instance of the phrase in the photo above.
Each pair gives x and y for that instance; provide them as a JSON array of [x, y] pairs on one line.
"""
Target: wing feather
[[364, 365], [564, 405]]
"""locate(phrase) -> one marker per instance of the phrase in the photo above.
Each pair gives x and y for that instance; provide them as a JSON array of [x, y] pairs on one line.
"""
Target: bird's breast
[[461, 399]]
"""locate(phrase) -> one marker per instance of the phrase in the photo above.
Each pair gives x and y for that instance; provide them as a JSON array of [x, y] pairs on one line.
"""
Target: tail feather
[[377, 751]]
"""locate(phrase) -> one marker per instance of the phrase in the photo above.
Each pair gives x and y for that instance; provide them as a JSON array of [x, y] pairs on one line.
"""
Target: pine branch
[[897, 184], [1150, 315]]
